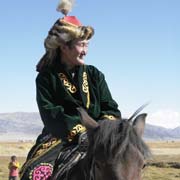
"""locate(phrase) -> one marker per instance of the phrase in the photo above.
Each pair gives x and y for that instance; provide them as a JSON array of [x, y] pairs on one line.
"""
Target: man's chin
[[81, 62]]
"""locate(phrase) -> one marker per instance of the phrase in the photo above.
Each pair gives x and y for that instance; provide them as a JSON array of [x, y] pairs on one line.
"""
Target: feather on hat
[[65, 6]]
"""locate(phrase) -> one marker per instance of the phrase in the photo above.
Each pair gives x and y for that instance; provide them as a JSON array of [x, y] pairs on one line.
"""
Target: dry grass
[[165, 148], [4, 160], [156, 173], [165, 163], [160, 167], [7, 149], [18, 148]]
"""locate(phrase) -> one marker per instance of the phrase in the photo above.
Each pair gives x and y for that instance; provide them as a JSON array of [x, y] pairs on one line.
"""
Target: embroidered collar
[[71, 87]]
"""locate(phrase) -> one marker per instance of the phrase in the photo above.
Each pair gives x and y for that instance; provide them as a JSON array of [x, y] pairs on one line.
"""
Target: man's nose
[[84, 50]]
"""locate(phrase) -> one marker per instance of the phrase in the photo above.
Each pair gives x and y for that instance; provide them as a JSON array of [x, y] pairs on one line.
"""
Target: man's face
[[74, 55]]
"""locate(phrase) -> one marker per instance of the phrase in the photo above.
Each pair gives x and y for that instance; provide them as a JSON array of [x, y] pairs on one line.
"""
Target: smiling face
[[73, 54]]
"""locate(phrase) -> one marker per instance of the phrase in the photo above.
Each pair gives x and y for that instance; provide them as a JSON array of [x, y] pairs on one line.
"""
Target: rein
[[92, 170], [66, 160]]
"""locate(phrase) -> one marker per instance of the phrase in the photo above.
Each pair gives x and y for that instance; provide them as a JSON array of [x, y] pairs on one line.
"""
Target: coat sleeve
[[109, 107], [55, 120]]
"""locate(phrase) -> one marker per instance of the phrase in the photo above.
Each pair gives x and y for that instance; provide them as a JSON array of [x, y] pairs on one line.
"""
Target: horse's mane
[[114, 137], [109, 143]]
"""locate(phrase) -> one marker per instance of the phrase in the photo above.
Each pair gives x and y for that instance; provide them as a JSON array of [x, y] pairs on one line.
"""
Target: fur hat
[[66, 29]]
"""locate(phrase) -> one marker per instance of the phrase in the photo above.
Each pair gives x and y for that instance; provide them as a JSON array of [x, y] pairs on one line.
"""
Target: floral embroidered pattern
[[41, 172], [47, 146], [109, 117], [70, 87], [85, 88], [39, 152], [75, 130]]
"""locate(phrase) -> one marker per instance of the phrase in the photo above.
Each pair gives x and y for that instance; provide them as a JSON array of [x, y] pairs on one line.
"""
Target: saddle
[[69, 157]]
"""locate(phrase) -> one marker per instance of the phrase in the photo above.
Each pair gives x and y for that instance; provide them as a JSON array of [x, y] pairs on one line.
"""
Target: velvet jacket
[[60, 92]]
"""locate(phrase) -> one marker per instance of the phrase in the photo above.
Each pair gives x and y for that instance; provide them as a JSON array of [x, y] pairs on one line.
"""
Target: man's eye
[[83, 44]]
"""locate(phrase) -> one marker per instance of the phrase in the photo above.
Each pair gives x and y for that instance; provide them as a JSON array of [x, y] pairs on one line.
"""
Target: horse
[[116, 150]]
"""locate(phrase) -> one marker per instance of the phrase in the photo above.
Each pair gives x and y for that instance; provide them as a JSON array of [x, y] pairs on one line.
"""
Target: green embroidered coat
[[59, 94]]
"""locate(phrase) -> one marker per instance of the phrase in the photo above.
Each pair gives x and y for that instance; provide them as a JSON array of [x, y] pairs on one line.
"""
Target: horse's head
[[116, 147]]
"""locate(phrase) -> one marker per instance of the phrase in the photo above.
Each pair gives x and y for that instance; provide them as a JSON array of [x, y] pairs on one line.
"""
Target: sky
[[136, 45]]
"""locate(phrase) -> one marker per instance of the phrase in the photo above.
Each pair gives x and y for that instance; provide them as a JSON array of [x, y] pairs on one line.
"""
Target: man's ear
[[64, 47]]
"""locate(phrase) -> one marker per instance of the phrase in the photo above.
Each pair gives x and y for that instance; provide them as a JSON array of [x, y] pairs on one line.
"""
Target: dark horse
[[116, 150]]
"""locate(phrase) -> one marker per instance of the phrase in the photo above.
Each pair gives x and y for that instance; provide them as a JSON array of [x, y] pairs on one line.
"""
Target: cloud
[[164, 118]]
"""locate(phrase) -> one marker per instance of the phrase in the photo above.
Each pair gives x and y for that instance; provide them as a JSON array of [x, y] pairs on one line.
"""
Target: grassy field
[[164, 165], [7, 149]]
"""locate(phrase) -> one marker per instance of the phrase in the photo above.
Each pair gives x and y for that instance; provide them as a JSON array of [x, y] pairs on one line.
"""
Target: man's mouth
[[81, 56]]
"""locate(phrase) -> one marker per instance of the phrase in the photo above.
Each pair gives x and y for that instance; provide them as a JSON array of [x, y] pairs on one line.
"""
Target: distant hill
[[23, 125], [20, 125], [159, 133]]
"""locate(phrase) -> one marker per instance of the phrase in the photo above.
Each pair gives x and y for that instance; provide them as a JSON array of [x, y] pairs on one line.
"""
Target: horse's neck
[[80, 171], [84, 170], [100, 171], [87, 169], [105, 173]]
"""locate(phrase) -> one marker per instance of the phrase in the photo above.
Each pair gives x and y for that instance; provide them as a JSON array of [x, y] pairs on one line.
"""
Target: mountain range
[[26, 126]]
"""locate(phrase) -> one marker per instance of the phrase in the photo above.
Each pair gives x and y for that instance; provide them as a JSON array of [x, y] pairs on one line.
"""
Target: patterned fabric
[[109, 117], [70, 87], [59, 94], [41, 172], [78, 129], [58, 97], [41, 159]]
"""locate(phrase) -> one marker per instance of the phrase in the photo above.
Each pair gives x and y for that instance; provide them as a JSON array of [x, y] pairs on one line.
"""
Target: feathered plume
[[65, 6]]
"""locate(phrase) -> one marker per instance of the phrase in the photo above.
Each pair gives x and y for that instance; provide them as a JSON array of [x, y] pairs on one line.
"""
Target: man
[[64, 83]]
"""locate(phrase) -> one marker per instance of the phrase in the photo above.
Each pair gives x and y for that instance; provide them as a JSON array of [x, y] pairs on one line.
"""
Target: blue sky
[[136, 45]]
